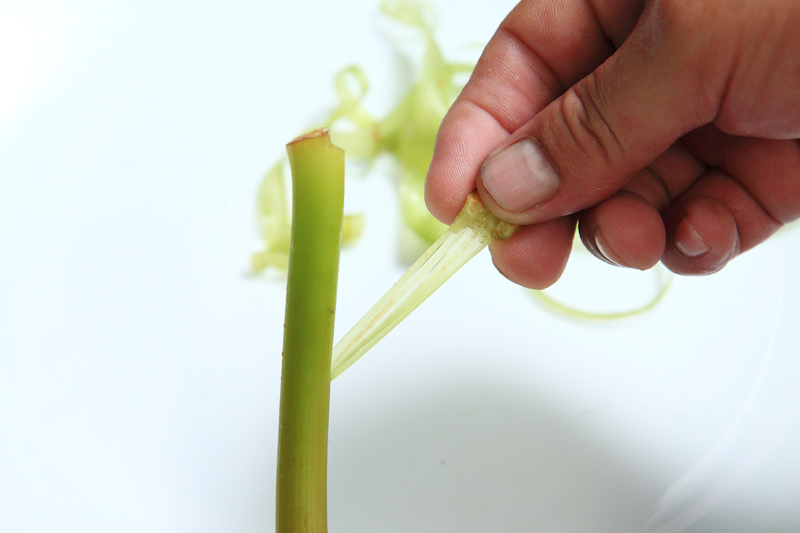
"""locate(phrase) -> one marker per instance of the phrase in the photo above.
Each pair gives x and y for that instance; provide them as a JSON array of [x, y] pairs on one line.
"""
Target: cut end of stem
[[475, 216], [321, 132]]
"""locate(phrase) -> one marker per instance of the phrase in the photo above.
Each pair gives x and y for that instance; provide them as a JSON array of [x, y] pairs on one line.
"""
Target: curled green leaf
[[407, 133]]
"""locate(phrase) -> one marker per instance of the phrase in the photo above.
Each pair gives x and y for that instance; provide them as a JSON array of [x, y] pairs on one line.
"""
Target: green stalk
[[318, 200]]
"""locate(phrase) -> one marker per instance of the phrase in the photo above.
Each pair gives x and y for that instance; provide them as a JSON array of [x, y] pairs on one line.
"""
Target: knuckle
[[678, 19], [586, 124]]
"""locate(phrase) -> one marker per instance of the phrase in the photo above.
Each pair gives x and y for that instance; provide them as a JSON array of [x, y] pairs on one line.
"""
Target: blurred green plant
[[407, 133]]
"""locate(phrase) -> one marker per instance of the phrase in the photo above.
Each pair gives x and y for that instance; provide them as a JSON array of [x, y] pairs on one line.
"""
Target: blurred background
[[140, 358]]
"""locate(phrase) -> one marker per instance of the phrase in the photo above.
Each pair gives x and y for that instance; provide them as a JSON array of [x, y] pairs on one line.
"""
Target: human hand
[[668, 128]]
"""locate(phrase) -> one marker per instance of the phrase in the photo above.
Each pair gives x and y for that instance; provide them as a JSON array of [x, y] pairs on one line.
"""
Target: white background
[[139, 362]]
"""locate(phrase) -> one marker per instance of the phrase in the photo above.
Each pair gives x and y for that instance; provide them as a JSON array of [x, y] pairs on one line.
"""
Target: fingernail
[[604, 251], [519, 177], [687, 240]]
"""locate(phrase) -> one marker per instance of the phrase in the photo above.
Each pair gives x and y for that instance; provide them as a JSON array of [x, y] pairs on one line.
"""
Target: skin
[[672, 127]]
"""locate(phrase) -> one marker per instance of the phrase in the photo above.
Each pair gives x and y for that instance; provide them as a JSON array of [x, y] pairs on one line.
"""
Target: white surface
[[139, 364]]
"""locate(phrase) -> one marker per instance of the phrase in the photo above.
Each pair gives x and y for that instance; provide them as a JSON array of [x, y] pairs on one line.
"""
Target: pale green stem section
[[474, 228], [318, 200]]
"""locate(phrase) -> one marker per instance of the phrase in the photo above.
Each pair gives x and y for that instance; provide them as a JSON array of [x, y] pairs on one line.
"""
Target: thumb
[[593, 139]]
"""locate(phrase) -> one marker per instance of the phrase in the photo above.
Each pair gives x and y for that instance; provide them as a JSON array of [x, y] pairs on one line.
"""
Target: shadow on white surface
[[480, 458]]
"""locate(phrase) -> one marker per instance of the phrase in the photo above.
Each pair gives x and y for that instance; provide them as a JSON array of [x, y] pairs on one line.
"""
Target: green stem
[[318, 199]]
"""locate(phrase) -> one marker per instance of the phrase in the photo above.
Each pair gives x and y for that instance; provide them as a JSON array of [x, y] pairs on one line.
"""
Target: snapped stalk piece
[[318, 200], [473, 229]]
